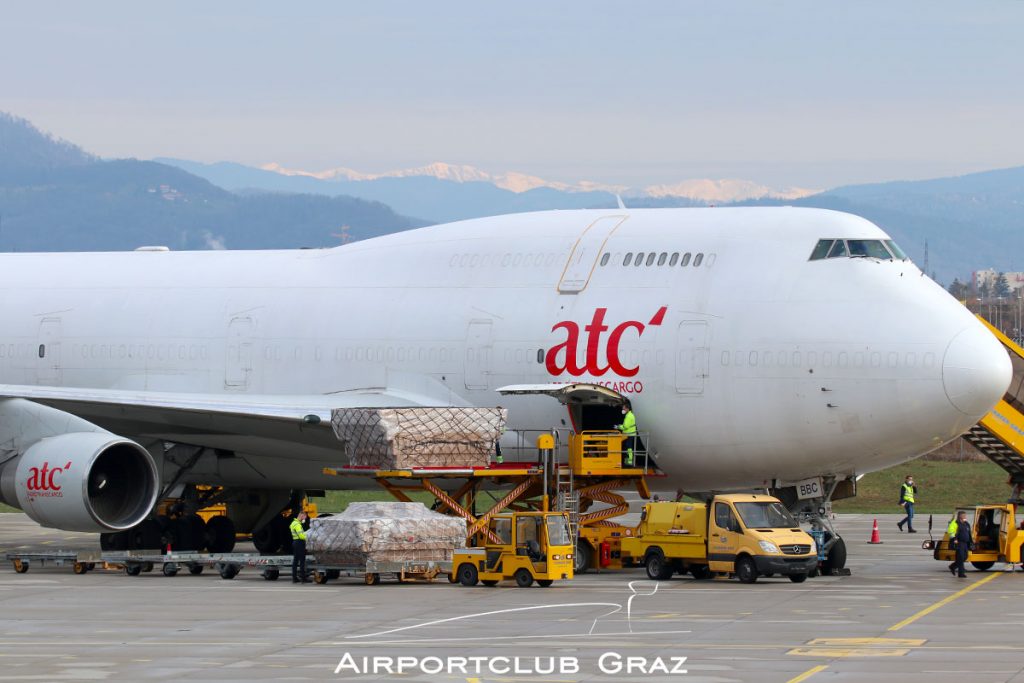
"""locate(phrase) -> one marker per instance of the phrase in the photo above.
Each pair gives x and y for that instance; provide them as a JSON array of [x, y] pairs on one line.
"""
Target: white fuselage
[[758, 364]]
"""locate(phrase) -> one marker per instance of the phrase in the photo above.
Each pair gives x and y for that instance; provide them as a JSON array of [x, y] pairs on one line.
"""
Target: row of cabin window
[[661, 258]]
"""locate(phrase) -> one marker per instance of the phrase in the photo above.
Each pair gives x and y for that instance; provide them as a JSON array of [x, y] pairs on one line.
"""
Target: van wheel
[[524, 579], [657, 568], [468, 575], [746, 570], [798, 578]]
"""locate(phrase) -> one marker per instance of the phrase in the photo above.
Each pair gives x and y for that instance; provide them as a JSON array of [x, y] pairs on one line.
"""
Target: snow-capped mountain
[[724, 190]]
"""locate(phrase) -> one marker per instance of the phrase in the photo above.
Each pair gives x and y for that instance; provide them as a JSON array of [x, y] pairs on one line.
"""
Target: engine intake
[[84, 481]]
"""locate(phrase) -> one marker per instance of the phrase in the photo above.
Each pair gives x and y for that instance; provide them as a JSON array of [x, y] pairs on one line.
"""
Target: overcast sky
[[811, 93]]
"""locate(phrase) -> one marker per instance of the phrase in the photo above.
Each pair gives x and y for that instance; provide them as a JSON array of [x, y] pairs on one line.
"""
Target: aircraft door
[[48, 372], [238, 354], [478, 354], [585, 254], [691, 357]]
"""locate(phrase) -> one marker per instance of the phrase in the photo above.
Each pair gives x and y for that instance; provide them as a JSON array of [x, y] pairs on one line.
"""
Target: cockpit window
[[838, 249], [868, 248], [895, 249], [821, 249]]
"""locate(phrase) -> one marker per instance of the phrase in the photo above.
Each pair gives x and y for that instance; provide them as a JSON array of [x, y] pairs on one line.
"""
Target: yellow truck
[[998, 537], [535, 546], [749, 535]]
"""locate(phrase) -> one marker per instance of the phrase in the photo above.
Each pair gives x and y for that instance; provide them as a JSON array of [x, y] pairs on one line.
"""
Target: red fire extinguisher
[[606, 554]]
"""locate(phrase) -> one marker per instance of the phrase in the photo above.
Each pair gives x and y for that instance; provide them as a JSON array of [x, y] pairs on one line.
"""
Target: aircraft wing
[[271, 425]]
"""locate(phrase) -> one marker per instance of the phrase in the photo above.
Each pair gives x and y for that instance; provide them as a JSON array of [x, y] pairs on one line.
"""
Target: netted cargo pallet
[[396, 438], [385, 532]]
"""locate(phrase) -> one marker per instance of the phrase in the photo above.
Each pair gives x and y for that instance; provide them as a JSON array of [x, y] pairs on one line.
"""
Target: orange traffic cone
[[875, 539]]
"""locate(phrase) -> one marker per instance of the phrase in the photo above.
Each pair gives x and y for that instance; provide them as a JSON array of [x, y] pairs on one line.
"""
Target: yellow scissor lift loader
[[999, 435], [577, 471]]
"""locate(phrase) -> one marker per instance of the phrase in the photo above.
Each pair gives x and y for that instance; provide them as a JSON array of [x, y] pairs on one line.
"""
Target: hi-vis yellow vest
[[298, 533], [908, 493]]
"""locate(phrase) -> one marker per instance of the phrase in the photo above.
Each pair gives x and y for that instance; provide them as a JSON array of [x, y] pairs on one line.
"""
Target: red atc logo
[[42, 481], [565, 356]]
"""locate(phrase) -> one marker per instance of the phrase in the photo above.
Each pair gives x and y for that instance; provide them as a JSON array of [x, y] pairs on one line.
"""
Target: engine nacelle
[[83, 481]]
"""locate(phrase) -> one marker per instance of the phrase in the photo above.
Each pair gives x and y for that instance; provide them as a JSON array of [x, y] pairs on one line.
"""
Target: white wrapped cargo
[[398, 438], [385, 532]]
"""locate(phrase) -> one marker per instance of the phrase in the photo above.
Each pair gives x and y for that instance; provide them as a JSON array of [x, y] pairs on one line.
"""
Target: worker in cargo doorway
[[628, 428], [963, 541], [907, 491], [498, 459], [298, 530]]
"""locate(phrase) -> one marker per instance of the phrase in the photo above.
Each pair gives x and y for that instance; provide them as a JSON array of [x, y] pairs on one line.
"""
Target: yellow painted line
[[836, 652], [859, 642], [807, 674], [945, 601]]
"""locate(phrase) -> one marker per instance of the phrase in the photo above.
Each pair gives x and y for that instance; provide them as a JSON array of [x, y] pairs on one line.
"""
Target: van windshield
[[558, 531], [765, 516]]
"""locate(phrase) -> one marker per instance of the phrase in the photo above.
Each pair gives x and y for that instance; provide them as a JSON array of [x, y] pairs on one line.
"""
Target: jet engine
[[91, 481]]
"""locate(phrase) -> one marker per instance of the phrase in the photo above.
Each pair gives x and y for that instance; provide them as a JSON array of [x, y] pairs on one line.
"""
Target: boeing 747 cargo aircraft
[[760, 347]]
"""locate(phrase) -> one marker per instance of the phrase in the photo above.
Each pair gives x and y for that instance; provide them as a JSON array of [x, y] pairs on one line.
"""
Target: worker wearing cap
[[299, 547], [628, 428], [907, 491]]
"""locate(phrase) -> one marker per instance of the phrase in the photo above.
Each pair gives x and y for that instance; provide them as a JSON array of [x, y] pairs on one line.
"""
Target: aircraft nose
[[976, 371]]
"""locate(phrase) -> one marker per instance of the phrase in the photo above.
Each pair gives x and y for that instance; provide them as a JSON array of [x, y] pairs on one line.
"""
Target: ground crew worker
[[497, 445], [628, 427], [299, 547], [963, 541], [907, 491], [951, 529]]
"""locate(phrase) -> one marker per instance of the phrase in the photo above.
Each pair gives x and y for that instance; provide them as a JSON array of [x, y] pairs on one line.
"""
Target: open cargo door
[[591, 406]]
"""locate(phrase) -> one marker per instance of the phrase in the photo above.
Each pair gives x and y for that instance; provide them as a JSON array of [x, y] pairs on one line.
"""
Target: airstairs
[[1000, 434]]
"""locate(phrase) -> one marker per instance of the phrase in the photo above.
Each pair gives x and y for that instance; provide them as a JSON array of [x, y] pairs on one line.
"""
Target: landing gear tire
[[657, 568], [798, 578], [266, 539], [581, 560], [982, 566], [145, 535], [836, 558], [114, 541], [220, 535], [746, 570], [468, 575], [523, 577]]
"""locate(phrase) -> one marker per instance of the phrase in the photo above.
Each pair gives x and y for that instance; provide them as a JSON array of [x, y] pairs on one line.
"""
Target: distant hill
[[55, 196]]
